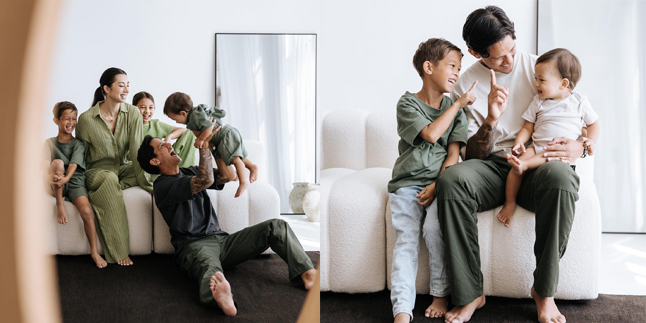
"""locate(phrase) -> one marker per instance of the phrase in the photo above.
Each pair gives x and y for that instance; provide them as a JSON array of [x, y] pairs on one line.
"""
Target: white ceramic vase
[[296, 196], [311, 202]]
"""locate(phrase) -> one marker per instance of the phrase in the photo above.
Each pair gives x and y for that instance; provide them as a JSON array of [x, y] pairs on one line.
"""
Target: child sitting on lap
[[64, 163], [432, 129], [230, 148], [556, 111]]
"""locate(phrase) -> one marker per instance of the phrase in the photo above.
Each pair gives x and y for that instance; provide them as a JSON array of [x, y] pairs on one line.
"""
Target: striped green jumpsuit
[[109, 172]]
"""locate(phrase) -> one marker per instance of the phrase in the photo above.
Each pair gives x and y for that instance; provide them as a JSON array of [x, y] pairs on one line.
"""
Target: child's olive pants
[[478, 185]]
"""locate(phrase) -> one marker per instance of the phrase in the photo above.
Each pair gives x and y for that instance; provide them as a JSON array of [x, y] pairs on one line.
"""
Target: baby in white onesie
[[556, 111]]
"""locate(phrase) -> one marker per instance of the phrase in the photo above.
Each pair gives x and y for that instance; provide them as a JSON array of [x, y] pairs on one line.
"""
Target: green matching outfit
[[70, 153], [227, 140], [112, 166], [183, 146]]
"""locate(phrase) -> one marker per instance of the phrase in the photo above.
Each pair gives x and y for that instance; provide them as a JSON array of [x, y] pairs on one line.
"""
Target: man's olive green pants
[[201, 259], [479, 185]]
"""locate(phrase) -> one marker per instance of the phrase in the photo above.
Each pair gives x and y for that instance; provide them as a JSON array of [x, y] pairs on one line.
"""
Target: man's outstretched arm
[[204, 177]]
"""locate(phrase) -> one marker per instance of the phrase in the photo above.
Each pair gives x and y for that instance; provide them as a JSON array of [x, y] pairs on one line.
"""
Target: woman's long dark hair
[[107, 78]]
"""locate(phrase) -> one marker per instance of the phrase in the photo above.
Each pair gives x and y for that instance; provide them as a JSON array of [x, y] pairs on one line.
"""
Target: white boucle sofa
[[149, 232], [357, 238]]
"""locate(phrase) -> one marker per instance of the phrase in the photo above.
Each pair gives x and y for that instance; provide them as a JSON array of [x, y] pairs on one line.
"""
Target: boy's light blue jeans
[[409, 221]]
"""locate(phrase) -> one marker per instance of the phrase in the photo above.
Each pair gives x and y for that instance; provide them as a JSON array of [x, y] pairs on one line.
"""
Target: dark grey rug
[[154, 290], [376, 307]]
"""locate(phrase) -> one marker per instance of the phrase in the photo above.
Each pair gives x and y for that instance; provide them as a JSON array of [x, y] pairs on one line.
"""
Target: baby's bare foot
[[60, 214], [241, 188], [518, 166], [222, 294], [98, 260], [437, 308], [125, 262], [460, 314], [506, 213], [253, 173], [309, 277], [547, 310]]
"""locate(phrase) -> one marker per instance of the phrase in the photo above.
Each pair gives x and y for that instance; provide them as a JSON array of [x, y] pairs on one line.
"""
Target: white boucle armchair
[[149, 232], [357, 238]]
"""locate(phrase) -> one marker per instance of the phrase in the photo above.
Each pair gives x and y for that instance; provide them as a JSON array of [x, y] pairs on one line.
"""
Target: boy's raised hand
[[497, 98], [469, 97]]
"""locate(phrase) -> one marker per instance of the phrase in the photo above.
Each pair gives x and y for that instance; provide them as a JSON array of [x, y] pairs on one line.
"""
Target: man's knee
[[557, 175], [454, 181]]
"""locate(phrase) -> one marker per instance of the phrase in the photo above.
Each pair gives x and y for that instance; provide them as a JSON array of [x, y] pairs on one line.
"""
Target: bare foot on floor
[[506, 213], [241, 188], [517, 165], [547, 310], [402, 318], [253, 173], [60, 214], [437, 308], [98, 260], [309, 277], [125, 262], [460, 314], [222, 294]]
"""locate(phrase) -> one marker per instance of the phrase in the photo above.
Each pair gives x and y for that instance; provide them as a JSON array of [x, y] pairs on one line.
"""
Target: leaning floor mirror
[[266, 83]]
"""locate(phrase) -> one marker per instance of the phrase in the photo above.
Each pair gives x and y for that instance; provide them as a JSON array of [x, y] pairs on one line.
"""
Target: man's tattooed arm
[[480, 145], [204, 177]]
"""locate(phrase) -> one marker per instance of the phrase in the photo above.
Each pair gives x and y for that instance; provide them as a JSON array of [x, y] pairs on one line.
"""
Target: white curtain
[[609, 38], [267, 86]]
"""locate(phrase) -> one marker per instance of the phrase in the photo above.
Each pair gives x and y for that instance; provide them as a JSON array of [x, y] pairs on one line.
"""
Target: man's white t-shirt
[[521, 92]]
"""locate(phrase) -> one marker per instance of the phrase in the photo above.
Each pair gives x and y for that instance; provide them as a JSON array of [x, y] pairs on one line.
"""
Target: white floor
[[308, 233], [623, 264]]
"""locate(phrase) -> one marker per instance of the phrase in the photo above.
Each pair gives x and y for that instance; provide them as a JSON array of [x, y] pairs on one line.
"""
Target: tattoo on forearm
[[204, 177], [480, 145], [219, 179]]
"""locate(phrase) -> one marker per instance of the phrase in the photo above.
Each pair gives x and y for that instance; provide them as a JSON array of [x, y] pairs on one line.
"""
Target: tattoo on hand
[[219, 179], [481, 144]]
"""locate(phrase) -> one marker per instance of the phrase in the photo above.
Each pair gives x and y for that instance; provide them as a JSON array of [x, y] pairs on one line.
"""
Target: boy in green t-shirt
[[64, 164], [432, 129]]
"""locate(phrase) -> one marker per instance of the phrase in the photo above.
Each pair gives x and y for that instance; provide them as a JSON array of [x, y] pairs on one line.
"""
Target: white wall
[[365, 48]]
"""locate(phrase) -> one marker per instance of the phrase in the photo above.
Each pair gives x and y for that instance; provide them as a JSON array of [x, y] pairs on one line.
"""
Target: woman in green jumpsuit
[[112, 131], [183, 146]]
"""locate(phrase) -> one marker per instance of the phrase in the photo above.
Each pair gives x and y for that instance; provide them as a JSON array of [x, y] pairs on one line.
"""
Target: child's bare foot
[[60, 213], [402, 318], [309, 277], [460, 314], [222, 294], [506, 213], [241, 188], [517, 165], [253, 173], [98, 260], [125, 262], [547, 310], [437, 308]]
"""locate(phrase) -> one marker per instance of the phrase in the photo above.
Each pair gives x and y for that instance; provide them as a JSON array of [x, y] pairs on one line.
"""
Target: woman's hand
[[427, 195]]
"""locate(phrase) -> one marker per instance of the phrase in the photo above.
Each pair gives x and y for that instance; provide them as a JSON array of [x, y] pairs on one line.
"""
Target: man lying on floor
[[202, 249]]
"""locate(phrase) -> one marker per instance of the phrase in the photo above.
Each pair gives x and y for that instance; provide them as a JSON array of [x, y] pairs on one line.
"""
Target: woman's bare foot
[[460, 314], [243, 186], [222, 294], [547, 310], [60, 213], [402, 318], [309, 277], [125, 262], [100, 262], [437, 308], [517, 165], [253, 173], [506, 213]]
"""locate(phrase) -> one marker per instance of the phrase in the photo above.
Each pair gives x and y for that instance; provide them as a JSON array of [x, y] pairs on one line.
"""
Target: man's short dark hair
[[145, 154], [485, 27], [432, 50], [566, 64]]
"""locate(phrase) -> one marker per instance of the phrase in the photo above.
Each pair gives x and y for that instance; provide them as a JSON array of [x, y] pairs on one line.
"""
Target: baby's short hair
[[566, 63], [178, 102], [432, 50], [60, 107]]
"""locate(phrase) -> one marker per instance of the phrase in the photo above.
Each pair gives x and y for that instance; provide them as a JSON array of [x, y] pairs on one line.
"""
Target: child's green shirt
[[419, 161], [71, 152]]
